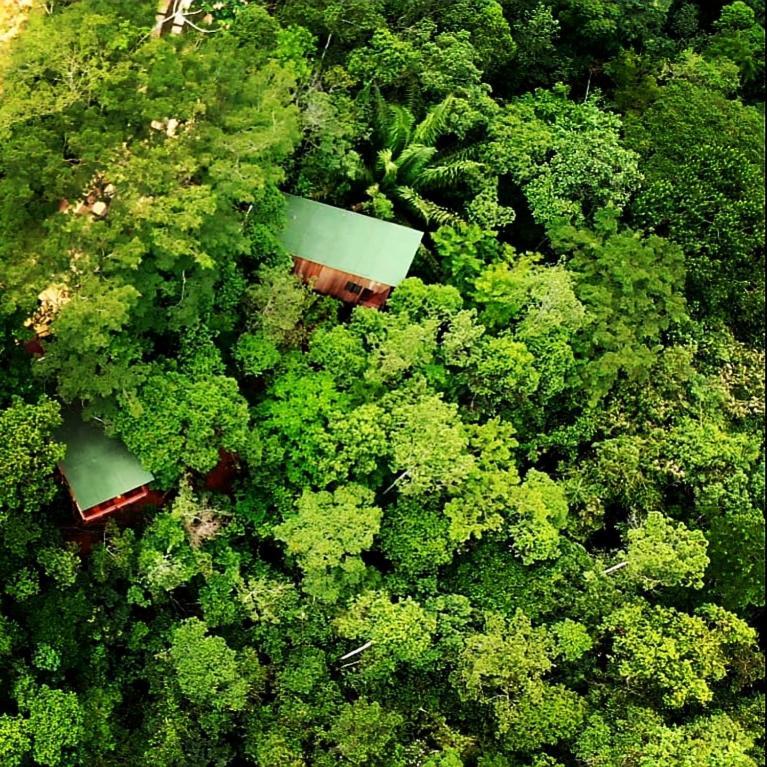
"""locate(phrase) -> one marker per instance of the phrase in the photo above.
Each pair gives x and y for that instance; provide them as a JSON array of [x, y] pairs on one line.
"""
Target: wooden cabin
[[353, 257], [101, 473]]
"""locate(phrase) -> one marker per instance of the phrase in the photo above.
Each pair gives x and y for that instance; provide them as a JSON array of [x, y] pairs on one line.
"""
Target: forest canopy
[[513, 519]]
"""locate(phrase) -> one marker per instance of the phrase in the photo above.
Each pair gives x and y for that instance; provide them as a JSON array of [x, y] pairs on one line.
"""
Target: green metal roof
[[96, 467], [350, 242]]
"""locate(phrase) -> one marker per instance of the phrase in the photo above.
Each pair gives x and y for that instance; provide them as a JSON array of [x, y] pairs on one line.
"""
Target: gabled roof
[[97, 468], [350, 242]]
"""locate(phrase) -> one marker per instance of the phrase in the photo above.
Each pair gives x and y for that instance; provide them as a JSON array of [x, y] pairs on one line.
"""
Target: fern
[[412, 95], [447, 175], [407, 162], [399, 128], [435, 123], [379, 117], [428, 211], [413, 160], [387, 166]]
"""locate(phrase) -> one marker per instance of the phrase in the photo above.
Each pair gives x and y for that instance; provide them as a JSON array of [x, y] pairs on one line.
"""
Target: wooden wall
[[332, 282]]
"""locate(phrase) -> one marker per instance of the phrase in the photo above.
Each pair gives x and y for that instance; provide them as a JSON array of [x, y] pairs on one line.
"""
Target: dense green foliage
[[516, 519]]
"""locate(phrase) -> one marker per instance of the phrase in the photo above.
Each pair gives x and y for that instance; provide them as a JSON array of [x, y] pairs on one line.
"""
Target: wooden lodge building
[[353, 257], [101, 473]]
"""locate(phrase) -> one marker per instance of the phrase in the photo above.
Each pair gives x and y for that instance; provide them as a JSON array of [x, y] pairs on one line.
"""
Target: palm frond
[[399, 127], [472, 152], [412, 98], [379, 117], [386, 166], [435, 123], [448, 174], [426, 210], [413, 160]]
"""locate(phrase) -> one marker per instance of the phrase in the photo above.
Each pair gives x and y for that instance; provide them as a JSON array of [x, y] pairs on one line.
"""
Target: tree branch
[[357, 651]]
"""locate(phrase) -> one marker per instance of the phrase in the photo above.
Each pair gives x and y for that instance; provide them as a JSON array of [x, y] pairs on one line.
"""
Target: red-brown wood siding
[[86, 533], [333, 282], [131, 498], [34, 347], [221, 477]]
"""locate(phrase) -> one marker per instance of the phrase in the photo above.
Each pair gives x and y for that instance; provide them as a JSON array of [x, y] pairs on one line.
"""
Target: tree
[[737, 534], [539, 513], [14, 740], [489, 29], [496, 582], [178, 421], [166, 557], [421, 60], [277, 305], [408, 168], [415, 535], [540, 304], [363, 733], [544, 715], [172, 229], [717, 467], [642, 735], [504, 657], [740, 38], [536, 34], [55, 723], [292, 426], [502, 372], [399, 633], [428, 446], [631, 287], [28, 455], [401, 349], [206, 668], [482, 505], [567, 158], [327, 534], [700, 191], [358, 444], [503, 668], [677, 656], [661, 553]]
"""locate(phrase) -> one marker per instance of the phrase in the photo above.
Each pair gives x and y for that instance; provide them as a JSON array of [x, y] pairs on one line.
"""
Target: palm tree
[[406, 165]]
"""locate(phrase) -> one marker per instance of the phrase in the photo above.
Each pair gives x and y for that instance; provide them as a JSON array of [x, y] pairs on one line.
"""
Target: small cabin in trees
[[101, 473], [353, 257]]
